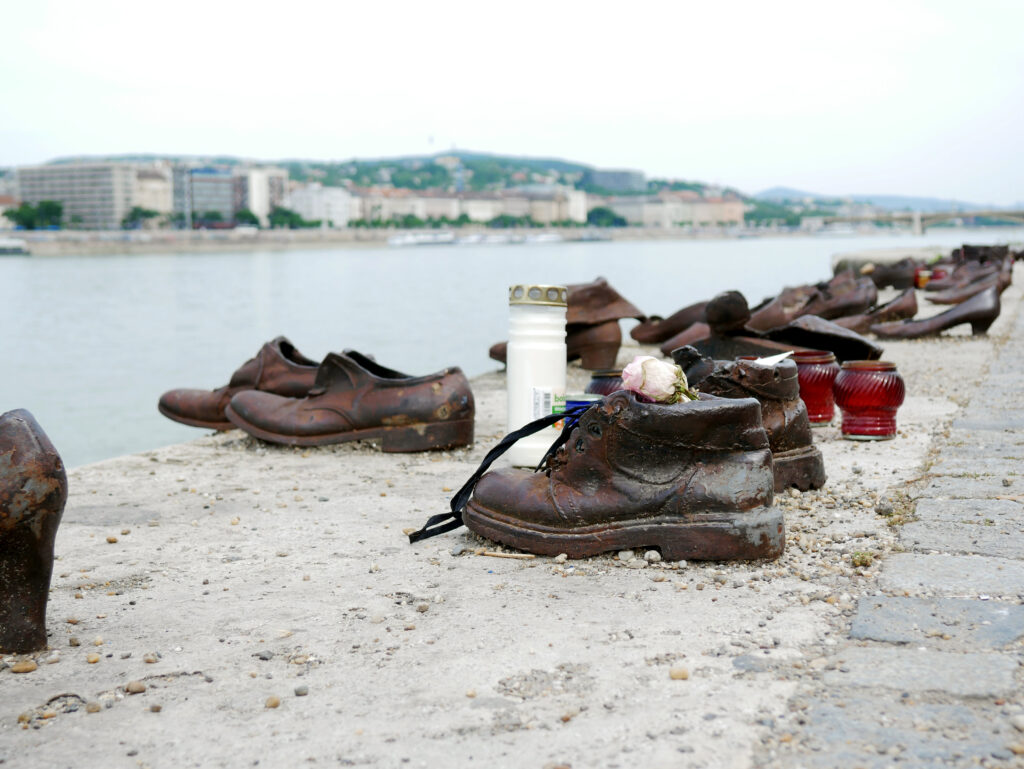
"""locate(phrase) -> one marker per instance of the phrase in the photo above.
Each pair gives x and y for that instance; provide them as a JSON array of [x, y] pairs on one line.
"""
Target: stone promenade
[[928, 670]]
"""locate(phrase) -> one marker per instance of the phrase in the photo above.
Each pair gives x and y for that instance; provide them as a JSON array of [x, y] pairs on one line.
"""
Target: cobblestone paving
[[929, 670]]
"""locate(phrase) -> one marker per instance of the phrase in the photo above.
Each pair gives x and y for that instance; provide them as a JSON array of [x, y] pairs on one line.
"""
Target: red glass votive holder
[[816, 371], [868, 393], [604, 382]]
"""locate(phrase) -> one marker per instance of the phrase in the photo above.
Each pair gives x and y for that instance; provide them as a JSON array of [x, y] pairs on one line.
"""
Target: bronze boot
[[692, 479], [797, 461], [33, 490]]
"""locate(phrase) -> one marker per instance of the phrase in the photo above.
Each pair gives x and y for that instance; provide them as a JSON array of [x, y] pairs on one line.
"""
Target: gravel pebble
[[272, 702], [301, 690], [135, 687]]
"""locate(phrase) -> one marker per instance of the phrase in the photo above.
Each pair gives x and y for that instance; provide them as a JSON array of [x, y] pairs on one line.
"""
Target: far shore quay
[[227, 602], [88, 243]]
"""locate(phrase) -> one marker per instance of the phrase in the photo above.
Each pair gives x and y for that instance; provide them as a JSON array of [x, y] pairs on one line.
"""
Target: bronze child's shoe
[[798, 463], [33, 490], [277, 368], [355, 398]]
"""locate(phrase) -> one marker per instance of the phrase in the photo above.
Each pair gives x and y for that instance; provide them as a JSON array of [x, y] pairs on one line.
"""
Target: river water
[[89, 343]]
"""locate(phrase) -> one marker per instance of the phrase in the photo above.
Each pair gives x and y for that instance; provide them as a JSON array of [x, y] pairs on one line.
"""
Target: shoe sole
[[221, 426], [759, 533], [803, 469], [425, 436]]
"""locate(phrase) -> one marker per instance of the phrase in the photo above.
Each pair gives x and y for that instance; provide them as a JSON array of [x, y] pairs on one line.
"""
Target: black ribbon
[[444, 522]]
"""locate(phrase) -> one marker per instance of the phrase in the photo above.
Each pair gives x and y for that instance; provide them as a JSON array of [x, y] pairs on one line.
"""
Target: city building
[[333, 206], [153, 188], [675, 209], [260, 190], [95, 196], [542, 203], [205, 191], [618, 180]]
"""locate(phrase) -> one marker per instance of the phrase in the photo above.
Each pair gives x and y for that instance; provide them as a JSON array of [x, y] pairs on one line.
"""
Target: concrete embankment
[[269, 605], [75, 243]]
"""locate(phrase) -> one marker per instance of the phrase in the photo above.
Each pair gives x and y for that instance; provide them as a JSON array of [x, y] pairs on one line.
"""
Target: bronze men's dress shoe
[[277, 368], [355, 398], [33, 490]]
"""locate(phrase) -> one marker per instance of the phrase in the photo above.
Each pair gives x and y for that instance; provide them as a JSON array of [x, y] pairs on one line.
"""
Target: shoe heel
[[599, 356], [428, 436], [979, 327]]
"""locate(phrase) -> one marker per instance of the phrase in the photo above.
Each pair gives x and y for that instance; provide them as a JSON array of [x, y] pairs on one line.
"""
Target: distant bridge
[[919, 221]]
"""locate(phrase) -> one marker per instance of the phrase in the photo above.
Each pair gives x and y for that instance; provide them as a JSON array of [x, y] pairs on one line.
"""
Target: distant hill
[[888, 202]]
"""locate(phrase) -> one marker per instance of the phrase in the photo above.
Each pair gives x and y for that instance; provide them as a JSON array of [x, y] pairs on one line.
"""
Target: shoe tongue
[[337, 371]]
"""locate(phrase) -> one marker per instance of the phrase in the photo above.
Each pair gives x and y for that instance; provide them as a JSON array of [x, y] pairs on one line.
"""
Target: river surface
[[88, 343]]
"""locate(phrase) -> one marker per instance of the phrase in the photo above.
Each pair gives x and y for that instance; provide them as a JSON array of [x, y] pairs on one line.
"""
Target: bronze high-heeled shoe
[[655, 329], [903, 306], [980, 311], [33, 490]]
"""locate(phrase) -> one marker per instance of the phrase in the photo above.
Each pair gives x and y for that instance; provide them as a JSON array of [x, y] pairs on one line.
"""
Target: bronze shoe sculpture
[[727, 334], [902, 307], [851, 299], [656, 329], [592, 328], [277, 368], [355, 398], [597, 346], [980, 311], [33, 490], [900, 275], [965, 273], [797, 461], [692, 479]]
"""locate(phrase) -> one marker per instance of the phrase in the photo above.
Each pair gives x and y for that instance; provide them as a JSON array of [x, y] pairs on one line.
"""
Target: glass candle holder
[[868, 393], [604, 382], [816, 371]]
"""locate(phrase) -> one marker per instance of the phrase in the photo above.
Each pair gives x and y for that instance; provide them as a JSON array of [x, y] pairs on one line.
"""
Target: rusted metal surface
[[980, 311], [33, 490], [277, 368], [355, 398], [692, 479], [903, 306], [798, 463]]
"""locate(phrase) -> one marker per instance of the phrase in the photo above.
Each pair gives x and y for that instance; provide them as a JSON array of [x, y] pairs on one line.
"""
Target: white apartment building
[[542, 205], [261, 189], [669, 210], [95, 196], [153, 188], [334, 206]]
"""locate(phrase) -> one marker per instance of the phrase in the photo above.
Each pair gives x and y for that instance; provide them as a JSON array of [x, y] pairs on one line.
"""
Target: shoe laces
[[553, 458]]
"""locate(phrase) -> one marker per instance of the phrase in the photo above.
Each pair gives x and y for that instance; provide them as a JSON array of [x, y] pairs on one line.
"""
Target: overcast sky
[[921, 98]]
